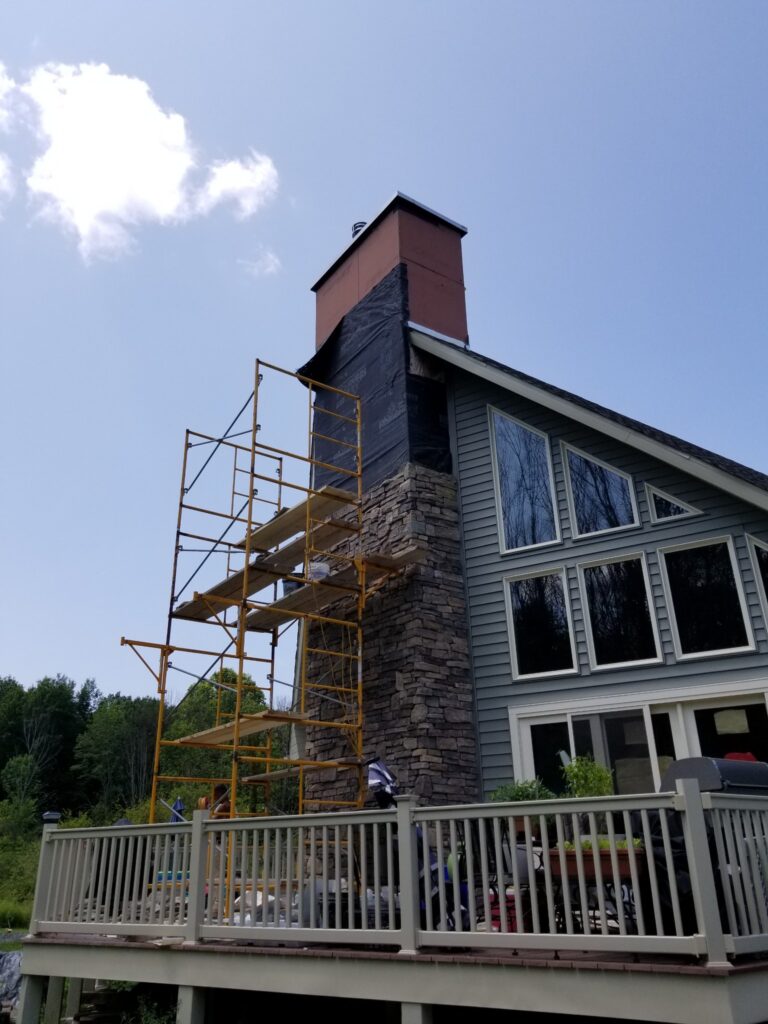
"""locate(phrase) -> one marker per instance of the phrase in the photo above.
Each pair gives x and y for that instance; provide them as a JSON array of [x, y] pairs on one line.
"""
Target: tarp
[[404, 416]]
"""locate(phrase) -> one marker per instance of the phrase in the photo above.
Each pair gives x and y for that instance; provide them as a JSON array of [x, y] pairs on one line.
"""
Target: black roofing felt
[[735, 469]]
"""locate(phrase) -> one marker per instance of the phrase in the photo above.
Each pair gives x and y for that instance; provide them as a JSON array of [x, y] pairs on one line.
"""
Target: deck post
[[415, 1013], [74, 994], [408, 864], [44, 866], [197, 872], [701, 871], [53, 997], [31, 999], [190, 1007]]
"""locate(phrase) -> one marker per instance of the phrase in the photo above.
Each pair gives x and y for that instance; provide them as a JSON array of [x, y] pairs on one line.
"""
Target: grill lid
[[715, 774]]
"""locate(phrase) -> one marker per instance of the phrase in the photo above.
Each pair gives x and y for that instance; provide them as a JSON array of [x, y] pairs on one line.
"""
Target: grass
[[14, 914], [10, 947]]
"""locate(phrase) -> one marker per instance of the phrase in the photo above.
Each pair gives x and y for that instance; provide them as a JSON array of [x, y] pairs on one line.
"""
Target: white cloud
[[7, 86], [249, 183], [6, 178], [114, 158], [265, 264]]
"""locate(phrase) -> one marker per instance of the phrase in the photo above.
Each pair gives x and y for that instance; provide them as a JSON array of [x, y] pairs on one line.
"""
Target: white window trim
[[650, 490], [503, 550], [752, 544], [726, 539], [631, 556], [565, 448], [681, 706], [535, 574]]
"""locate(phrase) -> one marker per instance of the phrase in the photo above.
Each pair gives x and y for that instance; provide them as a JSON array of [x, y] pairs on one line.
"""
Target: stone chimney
[[404, 233], [402, 268]]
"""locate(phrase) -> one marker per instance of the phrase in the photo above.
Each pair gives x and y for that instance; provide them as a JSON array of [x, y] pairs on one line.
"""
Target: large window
[[524, 484], [709, 611], [540, 625], [601, 497], [621, 626], [760, 563]]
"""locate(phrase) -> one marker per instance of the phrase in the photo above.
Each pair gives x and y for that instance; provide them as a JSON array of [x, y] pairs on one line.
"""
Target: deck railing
[[678, 873]]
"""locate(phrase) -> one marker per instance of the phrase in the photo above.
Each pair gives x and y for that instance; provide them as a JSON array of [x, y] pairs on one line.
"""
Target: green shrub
[[13, 915], [18, 869], [585, 777], [604, 844], [525, 789]]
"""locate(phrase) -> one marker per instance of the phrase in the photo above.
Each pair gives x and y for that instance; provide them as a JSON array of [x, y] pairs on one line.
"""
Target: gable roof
[[748, 484]]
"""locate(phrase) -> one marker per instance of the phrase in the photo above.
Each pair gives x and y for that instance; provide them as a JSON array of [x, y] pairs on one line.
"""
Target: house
[[592, 584], [586, 585]]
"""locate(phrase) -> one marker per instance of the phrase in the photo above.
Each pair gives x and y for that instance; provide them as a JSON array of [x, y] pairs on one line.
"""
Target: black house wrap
[[404, 415]]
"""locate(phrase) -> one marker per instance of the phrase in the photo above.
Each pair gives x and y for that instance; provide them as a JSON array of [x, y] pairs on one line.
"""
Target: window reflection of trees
[[524, 484], [601, 497], [619, 613], [762, 564], [705, 599], [540, 620]]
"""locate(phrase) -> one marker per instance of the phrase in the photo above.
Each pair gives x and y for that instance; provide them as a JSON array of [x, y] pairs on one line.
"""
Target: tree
[[21, 779], [54, 715], [197, 711], [11, 718], [113, 756]]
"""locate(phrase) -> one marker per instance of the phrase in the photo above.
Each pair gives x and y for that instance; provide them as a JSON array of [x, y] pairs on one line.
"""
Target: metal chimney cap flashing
[[398, 201]]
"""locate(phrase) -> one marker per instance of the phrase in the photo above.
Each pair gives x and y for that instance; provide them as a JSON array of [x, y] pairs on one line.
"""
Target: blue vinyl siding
[[486, 567]]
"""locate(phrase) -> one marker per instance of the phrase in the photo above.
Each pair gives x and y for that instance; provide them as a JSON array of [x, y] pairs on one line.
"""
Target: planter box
[[588, 864]]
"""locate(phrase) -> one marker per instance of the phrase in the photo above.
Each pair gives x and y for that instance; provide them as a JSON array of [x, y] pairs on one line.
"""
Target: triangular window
[[602, 497], [663, 506]]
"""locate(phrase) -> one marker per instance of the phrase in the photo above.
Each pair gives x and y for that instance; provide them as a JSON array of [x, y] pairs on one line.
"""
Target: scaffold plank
[[293, 770], [289, 521], [263, 721], [262, 571], [318, 595]]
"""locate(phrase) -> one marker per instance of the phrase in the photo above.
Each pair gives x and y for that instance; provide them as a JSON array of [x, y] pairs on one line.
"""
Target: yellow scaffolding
[[315, 547]]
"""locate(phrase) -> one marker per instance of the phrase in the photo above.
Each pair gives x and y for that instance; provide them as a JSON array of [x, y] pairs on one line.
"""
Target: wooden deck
[[616, 986]]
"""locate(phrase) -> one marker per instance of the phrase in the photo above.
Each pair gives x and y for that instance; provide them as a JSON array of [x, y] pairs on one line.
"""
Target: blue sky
[[176, 175]]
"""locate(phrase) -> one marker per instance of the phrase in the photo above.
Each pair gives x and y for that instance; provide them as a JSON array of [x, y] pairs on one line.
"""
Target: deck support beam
[[415, 1013], [190, 1007], [53, 998], [74, 995], [31, 999]]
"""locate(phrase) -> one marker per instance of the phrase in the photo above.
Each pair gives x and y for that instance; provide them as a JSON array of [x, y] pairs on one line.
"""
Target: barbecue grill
[[719, 775]]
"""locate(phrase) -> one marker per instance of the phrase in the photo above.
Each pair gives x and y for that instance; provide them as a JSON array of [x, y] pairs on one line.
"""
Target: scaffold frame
[[315, 546]]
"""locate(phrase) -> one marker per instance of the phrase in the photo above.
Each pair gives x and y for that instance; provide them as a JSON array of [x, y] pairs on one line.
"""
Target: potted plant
[[585, 777], [590, 858], [519, 792]]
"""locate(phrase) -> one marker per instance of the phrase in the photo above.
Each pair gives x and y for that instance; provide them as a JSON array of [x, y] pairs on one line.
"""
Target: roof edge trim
[[687, 463]]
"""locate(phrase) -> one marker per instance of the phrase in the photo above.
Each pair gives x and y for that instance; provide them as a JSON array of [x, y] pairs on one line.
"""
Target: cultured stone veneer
[[418, 702]]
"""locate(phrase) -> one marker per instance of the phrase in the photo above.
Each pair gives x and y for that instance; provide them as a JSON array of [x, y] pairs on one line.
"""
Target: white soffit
[[688, 464]]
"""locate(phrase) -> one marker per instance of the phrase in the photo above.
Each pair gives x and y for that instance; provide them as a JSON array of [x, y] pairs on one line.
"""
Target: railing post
[[44, 866], [197, 874], [408, 864], [701, 870]]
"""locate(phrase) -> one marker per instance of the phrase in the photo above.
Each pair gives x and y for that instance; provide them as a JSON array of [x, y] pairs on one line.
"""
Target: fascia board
[[686, 463]]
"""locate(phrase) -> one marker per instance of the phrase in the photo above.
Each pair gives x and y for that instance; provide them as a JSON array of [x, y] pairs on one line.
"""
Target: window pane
[[601, 498], [705, 599], [666, 509], [716, 740], [547, 742], [762, 564], [524, 484], [540, 624], [619, 613], [628, 754]]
